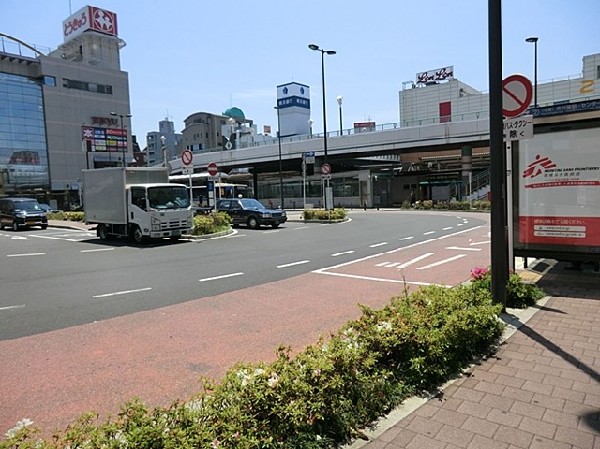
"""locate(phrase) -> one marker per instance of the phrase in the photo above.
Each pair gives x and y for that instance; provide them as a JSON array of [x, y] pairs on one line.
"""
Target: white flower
[[20, 425], [259, 371], [273, 380], [384, 325]]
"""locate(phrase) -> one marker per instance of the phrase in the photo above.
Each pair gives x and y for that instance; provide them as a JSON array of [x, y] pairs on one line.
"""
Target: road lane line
[[369, 278], [407, 238], [415, 260], [441, 262], [20, 306], [301, 227], [23, 255], [463, 249], [447, 228], [215, 278], [96, 250], [342, 253], [458, 232], [411, 246], [375, 245], [485, 242], [49, 237], [429, 232], [293, 263], [124, 292]]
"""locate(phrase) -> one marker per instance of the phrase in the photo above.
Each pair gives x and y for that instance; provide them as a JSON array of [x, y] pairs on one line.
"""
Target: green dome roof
[[235, 113]]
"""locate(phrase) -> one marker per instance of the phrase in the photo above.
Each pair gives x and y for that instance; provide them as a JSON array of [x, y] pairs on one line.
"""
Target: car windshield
[[28, 206], [250, 203], [168, 197]]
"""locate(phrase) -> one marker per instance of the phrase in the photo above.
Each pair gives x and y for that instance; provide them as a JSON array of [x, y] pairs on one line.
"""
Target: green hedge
[[211, 223], [322, 214], [317, 398]]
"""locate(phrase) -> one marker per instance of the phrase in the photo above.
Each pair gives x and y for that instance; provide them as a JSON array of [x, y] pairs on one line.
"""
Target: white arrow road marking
[[293, 263], [415, 260], [441, 262], [463, 249], [221, 277], [21, 306], [342, 253], [23, 255], [125, 292]]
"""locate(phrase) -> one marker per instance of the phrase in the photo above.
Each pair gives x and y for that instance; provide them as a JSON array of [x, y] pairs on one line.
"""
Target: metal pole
[[535, 73], [499, 256], [280, 166]]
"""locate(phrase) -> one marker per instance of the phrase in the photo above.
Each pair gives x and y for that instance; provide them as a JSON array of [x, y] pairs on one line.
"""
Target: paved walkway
[[540, 391]]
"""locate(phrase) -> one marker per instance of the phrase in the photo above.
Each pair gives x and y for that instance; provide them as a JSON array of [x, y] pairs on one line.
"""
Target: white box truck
[[136, 202]]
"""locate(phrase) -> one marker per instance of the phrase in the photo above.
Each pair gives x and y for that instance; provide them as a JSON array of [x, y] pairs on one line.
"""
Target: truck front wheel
[[102, 232], [136, 234]]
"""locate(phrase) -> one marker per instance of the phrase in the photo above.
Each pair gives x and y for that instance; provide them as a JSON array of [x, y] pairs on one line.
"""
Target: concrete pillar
[[466, 154]]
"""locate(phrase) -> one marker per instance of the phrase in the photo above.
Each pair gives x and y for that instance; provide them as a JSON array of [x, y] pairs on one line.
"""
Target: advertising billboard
[[559, 192], [90, 18]]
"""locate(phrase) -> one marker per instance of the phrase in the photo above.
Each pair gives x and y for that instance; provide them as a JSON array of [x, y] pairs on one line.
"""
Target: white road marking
[[429, 232], [407, 238], [447, 228], [382, 264], [411, 246], [415, 260], [96, 250], [14, 237], [375, 245], [124, 292], [369, 278], [215, 278], [293, 263], [46, 237], [342, 253], [441, 262], [485, 242], [463, 249], [23, 255], [301, 227], [460, 224], [21, 306]]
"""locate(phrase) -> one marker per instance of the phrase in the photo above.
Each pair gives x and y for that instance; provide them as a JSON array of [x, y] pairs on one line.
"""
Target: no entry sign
[[212, 169], [516, 95]]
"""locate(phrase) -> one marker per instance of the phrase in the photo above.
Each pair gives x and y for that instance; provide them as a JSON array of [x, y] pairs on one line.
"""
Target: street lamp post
[[125, 148], [534, 40], [164, 149], [339, 102], [323, 53], [280, 165]]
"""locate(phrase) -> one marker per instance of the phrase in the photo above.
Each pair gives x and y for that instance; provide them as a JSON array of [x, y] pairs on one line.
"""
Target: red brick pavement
[[541, 390]]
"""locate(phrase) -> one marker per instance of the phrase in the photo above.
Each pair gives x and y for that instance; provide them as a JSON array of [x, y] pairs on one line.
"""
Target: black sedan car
[[251, 212]]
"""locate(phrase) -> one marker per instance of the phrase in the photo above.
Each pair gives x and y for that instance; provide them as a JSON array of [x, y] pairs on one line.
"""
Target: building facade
[[63, 111]]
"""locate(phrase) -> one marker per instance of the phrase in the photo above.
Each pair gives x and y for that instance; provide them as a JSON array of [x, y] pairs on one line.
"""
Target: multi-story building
[[64, 110], [162, 145]]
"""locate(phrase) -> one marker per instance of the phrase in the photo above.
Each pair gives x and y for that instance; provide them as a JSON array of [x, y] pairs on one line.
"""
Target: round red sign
[[212, 169], [516, 95], [186, 157]]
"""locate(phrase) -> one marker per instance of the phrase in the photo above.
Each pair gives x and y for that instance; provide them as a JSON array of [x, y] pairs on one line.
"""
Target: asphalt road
[[87, 325], [56, 278]]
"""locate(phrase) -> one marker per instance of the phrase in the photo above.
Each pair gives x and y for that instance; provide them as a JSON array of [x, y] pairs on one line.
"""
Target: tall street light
[[323, 53], [126, 139], [534, 40], [280, 167], [339, 101]]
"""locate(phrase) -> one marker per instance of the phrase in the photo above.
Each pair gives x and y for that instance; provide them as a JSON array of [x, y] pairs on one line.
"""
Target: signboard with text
[[105, 139], [90, 18]]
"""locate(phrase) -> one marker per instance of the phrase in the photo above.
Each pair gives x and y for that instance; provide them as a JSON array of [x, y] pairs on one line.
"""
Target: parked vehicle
[[136, 202], [47, 208], [20, 213], [251, 212]]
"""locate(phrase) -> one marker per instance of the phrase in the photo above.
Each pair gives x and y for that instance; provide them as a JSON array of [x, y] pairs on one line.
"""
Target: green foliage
[[316, 399], [519, 294], [321, 214], [451, 205], [211, 223], [66, 216]]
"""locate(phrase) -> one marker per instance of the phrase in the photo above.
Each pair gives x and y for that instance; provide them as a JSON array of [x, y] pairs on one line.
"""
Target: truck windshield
[[168, 197]]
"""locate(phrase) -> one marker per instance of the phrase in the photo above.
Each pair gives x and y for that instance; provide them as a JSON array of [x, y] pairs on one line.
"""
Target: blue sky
[[186, 56]]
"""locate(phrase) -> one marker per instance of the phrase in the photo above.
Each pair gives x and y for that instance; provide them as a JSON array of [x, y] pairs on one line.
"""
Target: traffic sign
[[518, 128], [325, 169], [309, 157], [187, 157], [187, 171], [516, 95], [212, 169]]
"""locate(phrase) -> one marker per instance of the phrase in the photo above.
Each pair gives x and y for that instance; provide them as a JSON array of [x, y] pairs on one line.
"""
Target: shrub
[[321, 214], [519, 294], [211, 223]]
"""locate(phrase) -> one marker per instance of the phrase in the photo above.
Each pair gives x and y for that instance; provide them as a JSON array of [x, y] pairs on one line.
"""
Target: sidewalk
[[540, 391]]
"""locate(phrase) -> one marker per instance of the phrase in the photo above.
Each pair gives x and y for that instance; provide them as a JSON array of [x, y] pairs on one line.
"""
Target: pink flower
[[479, 273]]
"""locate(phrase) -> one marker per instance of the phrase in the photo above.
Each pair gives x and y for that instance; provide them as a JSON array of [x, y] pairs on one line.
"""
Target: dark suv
[[21, 213], [251, 212]]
